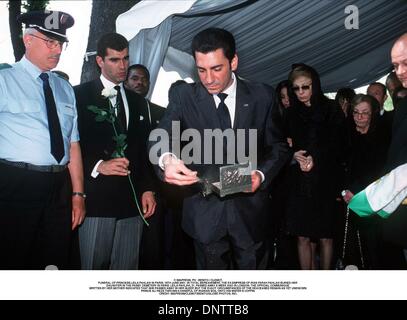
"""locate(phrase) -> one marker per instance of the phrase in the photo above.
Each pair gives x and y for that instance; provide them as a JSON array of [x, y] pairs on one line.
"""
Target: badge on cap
[[51, 23]]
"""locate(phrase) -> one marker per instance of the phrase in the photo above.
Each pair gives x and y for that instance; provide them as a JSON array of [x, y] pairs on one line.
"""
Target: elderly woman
[[316, 126], [366, 163]]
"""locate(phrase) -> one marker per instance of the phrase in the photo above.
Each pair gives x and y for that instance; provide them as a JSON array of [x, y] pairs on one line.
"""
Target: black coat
[[110, 196], [155, 112], [321, 131], [366, 158], [394, 228]]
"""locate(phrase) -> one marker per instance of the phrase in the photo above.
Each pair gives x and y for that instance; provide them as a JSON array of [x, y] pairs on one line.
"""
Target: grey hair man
[[41, 188], [394, 228]]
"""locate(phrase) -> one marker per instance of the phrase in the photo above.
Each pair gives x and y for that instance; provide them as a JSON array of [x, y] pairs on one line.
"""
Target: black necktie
[[223, 112], [55, 133], [121, 114]]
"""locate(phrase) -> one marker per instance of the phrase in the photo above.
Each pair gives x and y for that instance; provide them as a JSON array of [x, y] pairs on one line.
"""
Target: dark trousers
[[35, 218], [164, 245], [152, 253], [225, 254]]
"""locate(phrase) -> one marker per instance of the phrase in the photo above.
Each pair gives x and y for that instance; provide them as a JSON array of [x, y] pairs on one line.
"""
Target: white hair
[[30, 31]]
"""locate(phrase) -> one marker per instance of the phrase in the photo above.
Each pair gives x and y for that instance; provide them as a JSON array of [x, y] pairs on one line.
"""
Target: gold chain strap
[[362, 260], [345, 236]]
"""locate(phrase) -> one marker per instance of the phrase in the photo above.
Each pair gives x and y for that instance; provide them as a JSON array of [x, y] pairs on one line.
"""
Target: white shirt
[[230, 100], [107, 84], [110, 85]]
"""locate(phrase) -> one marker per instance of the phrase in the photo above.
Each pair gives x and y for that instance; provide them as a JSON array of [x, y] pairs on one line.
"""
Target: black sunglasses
[[307, 87]]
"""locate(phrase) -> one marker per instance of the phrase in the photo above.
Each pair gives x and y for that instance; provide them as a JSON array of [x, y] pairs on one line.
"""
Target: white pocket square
[[141, 118]]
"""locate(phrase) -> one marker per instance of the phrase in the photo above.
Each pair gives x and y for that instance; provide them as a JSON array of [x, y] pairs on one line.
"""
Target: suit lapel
[[207, 108], [100, 101], [138, 113], [132, 112], [244, 106]]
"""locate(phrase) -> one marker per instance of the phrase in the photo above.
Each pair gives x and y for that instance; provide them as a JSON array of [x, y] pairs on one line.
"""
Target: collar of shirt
[[109, 85], [31, 68], [230, 100]]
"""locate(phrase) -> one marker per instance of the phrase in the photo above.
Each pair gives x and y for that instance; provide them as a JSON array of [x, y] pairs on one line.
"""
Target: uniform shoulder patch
[[61, 77], [5, 66]]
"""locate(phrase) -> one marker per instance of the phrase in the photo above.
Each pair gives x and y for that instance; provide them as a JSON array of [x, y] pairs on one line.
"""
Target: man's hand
[[78, 211], [175, 172], [114, 167], [256, 180], [149, 204]]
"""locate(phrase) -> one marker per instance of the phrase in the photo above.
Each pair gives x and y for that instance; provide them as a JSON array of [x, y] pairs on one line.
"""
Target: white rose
[[109, 93]]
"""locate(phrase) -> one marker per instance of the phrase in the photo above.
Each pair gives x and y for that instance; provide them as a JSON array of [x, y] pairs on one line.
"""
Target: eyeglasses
[[52, 43], [363, 114], [303, 88]]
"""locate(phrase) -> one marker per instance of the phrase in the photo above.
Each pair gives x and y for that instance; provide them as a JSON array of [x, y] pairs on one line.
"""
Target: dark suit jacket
[[110, 196], [394, 228], [204, 218], [156, 112]]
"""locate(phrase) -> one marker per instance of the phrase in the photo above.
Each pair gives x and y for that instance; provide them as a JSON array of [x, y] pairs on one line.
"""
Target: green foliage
[[121, 146], [101, 114], [109, 116], [32, 5]]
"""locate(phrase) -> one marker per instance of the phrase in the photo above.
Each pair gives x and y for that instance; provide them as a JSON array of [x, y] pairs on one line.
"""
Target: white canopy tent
[[270, 36]]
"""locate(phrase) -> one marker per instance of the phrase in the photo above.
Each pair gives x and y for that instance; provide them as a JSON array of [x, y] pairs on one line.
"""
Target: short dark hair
[[211, 39], [345, 93], [113, 41], [139, 66], [381, 85]]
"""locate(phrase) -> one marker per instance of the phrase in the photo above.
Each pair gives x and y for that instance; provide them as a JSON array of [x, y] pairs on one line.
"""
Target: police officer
[[41, 175]]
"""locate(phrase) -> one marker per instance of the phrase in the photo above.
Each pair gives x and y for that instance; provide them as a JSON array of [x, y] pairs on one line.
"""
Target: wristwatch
[[79, 194]]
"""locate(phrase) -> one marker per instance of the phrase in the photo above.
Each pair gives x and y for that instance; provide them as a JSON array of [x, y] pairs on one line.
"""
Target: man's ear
[[27, 40], [234, 63], [99, 61]]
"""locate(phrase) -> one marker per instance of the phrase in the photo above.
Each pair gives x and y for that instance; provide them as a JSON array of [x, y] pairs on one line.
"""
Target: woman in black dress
[[366, 163], [316, 126]]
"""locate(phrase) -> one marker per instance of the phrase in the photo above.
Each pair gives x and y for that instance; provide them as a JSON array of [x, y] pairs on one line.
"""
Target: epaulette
[[61, 77], [5, 66]]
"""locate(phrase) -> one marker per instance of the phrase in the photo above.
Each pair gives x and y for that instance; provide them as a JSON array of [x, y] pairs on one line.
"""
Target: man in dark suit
[[138, 80], [163, 243], [152, 251], [378, 91], [228, 232], [110, 235], [394, 228]]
